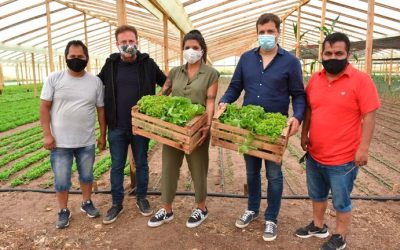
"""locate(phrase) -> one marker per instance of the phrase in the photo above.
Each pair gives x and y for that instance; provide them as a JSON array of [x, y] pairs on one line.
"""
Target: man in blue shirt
[[269, 76]]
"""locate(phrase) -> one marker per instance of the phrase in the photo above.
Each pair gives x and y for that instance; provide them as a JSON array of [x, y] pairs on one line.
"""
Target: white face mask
[[192, 56]]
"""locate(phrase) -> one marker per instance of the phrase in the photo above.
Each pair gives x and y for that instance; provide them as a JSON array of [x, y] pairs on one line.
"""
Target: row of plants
[[7, 140], [20, 144]]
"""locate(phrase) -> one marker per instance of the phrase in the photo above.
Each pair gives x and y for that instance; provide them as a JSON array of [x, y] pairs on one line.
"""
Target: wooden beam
[[321, 33], [165, 25], [302, 2], [283, 33], [298, 52], [181, 51], [85, 30], [390, 68], [17, 73], [110, 36], [121, 12], [34, 75], [369, 38], [26, 70], [49, 39]]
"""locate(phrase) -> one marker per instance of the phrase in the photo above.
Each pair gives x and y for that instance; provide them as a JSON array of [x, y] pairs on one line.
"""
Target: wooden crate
[[230, 137], [184, 138]]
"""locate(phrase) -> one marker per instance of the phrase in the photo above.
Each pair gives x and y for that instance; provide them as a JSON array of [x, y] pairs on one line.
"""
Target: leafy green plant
[[177, 110], [256, 120]]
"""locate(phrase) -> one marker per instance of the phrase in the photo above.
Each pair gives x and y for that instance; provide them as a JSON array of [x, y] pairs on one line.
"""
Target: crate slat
[[183, 138]]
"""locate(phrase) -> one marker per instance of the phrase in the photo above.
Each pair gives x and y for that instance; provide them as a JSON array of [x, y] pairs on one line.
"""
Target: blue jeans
[[119, 141], [340, 179], [275, 186], [61, 162]]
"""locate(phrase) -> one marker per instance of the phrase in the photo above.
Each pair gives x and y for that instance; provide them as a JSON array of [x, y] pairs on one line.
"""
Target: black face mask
[[334, 66], [76, 64]]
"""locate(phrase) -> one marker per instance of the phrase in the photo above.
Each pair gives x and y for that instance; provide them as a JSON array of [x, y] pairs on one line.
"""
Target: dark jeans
[[275, 186], [119, 141]]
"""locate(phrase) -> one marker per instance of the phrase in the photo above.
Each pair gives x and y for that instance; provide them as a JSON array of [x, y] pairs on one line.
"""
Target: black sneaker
[[63, 218], [336, 242], [271, 231], [160, 217], [88, 208], [311, 230], [144, 207], [197, 217], [112, 214], [246, 218]]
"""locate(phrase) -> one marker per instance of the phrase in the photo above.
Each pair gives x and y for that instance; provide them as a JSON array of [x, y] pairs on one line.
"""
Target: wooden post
[[35, 92], [60, 63], [111, 46], [181, 52], [46, 65], [121, 12], [283, 33], [165, 26], [321, 34], [88, 68], [17, 73], [39, 73], [369, 40], [390, 68], [26, 70], [49, 39], [22, 73], [1, 79], [298, 52]]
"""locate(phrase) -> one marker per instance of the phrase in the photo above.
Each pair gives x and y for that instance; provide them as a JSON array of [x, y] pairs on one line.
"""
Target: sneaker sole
[[69, 217], [340, 248], [106, 222], [193, 225], [143, 213], [89, 215], [269, 239], [157, 224], [245, 225], [321, 236]]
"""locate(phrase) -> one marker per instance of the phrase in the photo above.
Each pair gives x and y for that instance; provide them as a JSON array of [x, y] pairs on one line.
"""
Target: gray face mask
[[128, 49]]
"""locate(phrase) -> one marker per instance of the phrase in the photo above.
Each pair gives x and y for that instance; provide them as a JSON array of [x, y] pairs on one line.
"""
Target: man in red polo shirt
[[336, 133]]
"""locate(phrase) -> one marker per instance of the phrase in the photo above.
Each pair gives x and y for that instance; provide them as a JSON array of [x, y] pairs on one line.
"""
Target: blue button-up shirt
[[271, 87]]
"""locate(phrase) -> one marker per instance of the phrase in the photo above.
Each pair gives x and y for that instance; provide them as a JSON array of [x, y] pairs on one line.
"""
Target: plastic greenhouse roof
[[228, 26]]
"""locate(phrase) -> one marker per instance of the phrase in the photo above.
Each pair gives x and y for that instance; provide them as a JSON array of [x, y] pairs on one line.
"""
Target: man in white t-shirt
[[69, 101]]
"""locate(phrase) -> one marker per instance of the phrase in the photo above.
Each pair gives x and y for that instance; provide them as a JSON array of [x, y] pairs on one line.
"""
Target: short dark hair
[[124, 28], [337, 37], [76, 43], [196, 35], [268, 17]]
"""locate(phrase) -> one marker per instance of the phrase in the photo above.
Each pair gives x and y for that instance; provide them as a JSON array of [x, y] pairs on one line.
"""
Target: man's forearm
[[306, 122], [45, 119], [367, 131], [102, 120]]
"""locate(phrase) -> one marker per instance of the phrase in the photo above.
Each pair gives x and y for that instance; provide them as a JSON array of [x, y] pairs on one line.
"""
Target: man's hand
[[101, 142], [294, 123], [222, 105], [305, 141], [49, 142], [361, 158], [205, 130]]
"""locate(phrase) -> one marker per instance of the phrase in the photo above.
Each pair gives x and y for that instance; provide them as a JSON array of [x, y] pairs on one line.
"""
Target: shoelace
[[269, 227], [161, 213], [196, 213], [246, 215]]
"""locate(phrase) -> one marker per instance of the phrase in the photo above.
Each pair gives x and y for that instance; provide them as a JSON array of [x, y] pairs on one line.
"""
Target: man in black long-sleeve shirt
[[127, 76]]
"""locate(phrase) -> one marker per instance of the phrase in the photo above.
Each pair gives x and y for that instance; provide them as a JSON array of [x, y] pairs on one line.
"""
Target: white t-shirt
[[73, 110]]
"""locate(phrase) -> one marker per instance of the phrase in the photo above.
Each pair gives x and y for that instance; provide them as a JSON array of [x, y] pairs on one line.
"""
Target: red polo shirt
[[337, 108]]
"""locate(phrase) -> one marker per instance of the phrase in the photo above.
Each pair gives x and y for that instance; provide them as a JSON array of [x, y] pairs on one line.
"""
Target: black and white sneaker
[[197, 217], [271, 231], [246, 218], [88, 208], [160, 217], [63, 218], [336, 242], [311, 230]]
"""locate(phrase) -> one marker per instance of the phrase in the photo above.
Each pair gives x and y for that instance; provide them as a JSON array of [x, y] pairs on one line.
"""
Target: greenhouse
[[199, 52]]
